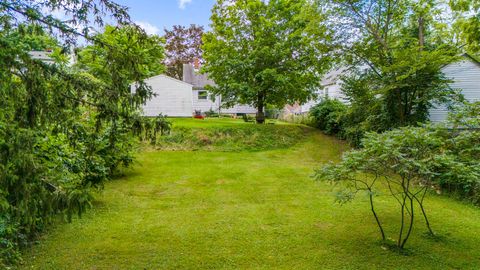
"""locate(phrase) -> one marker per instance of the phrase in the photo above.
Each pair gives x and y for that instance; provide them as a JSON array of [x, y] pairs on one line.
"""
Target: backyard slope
[[247, 210]]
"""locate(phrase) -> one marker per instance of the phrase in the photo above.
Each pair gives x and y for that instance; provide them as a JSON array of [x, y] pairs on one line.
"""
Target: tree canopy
[[393, 52], [266, 52], [183, 46]]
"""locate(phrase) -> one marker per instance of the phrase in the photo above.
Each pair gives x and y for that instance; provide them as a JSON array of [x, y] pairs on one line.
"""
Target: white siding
[[466, 77], [239, 109], [205, 105], [173, 97], [332, 91]]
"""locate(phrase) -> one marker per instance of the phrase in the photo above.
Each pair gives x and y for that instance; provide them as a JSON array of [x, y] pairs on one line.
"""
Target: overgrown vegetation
[[327, 116], [392, 53], [64, 130]]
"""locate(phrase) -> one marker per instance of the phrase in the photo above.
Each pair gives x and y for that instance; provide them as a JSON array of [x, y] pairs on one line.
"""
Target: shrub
[[328, 116], [148, 128], [248, 118], [411, 160], [408, 161], [211, 113]]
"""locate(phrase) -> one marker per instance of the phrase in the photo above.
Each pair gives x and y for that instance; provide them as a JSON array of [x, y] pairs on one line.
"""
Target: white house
[[172, 97], [331, 88], [465, 75], [202, 99], [331, 85], [177, 98]]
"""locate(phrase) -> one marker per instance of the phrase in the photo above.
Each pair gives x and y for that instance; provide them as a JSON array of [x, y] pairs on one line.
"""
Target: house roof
[[168, 77], [41, 55], [471, 58]]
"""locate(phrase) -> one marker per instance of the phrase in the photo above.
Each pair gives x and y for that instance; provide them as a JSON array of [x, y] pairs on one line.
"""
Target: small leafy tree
[[266, 52], [404, 162]]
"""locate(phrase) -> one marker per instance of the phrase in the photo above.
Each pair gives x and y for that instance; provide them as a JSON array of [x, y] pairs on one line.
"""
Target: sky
[[156, 15]]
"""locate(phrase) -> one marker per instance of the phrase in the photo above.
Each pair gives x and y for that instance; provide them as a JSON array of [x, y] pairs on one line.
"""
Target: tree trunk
[[260, 117], [376, 217], [421, 32]]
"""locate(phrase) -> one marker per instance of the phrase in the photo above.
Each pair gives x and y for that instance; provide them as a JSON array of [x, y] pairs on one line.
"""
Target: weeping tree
[[266, 52], [405, 164], [64, 129]]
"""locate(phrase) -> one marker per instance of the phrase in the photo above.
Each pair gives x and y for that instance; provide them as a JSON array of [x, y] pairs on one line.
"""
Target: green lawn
[[214, 122], [247, 210]]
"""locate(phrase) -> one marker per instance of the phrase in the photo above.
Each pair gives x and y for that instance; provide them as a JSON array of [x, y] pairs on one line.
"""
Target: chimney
[[196, 63], [188, 73]]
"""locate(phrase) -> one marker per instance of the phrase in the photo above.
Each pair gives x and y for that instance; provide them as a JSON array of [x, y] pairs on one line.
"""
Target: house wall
[[199, 81], [205, 104], [466, 77], [332, 91], [239, 109], [173, 97]]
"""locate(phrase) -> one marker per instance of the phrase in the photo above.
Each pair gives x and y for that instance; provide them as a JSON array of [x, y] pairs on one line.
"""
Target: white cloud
[[183, 3], [149, 28]]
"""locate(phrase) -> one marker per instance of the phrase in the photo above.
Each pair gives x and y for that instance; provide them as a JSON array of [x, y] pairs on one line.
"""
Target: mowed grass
[[230, 135], [248, 210], [215, 122]]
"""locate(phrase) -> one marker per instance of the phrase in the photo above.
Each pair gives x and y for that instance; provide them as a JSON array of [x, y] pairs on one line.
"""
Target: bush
[[409, 161], [148, 128], [211, 113], [248, 118], [328, 117]]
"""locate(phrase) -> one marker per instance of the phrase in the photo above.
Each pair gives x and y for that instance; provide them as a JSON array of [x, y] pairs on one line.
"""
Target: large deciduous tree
[[183, 46], [396, 54], [265, 52], [467, 13]]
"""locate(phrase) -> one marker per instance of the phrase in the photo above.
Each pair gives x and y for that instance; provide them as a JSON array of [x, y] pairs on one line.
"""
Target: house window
[[325, 92], [202, 95]]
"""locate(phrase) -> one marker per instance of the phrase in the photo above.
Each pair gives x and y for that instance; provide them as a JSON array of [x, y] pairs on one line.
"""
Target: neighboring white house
[[331, 86], [172, 97], [465, 75], [177, 98], [202, 99], [43, 56]]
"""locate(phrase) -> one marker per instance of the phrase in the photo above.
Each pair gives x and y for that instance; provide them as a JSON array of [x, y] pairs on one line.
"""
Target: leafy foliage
[[468, 22], [64, 130], [407, 162], [394, 53], [149, 128], [183, 46], [328, 115], [265, 52]]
